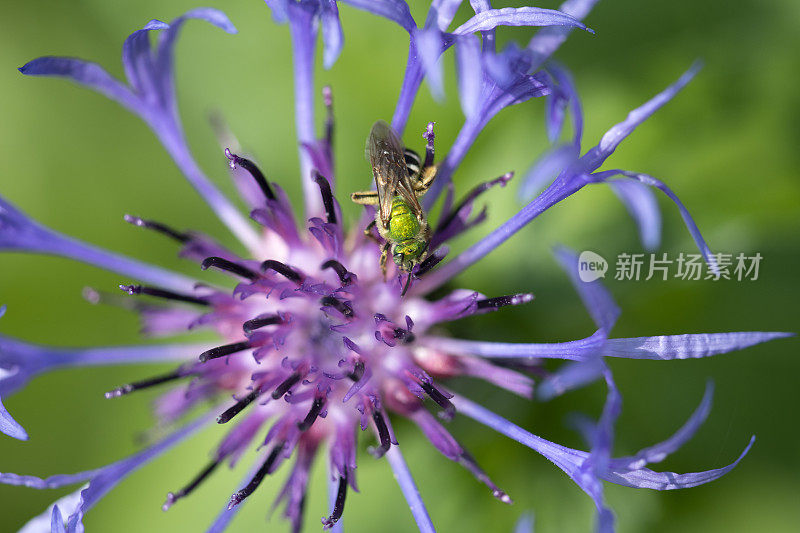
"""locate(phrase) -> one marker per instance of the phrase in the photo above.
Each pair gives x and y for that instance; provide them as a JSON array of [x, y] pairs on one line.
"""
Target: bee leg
[[384, 257], [425, 179], [428, 169], [365, 197], [370, 235]]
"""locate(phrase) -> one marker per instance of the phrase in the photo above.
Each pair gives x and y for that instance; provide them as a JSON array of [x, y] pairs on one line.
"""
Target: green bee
[[400, 180]]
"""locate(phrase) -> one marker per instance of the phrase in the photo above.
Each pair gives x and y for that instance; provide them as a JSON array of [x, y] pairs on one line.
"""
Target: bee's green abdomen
[[403, 224]]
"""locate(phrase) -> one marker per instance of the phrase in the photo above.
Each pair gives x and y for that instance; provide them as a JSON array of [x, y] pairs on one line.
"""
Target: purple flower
[[314, 341]]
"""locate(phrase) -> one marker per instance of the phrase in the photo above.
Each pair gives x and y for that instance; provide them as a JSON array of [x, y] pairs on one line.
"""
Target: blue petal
[[164, 57], [9, 426], [279, 10], [504, 67], [617, 133], [210, 15], [546, 169], [554, 112], [569, 377], [430, 44], [494, 98], [43, 523], [138, 62], [658, 452], [470, 76], [518, 16], [557, 192], [441, 13], [20, 233], [89, 74], [603, 440], [641, 204], [20, 361], [524, 524], [332, 36], [522, 90], [694, 231], [644, 478], [688, 346], [152, 77], [409, 489], [567, 86], [572, 350], [568, 182], [595, 296], [102, 480], [572, 461], [597, 155], [57, 521], [394, 10], [549, 38]]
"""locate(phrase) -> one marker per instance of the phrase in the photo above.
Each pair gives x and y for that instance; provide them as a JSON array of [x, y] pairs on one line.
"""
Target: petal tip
[[155, 24]]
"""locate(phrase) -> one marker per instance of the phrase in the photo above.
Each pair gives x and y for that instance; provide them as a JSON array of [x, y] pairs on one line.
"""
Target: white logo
[[591, 266]]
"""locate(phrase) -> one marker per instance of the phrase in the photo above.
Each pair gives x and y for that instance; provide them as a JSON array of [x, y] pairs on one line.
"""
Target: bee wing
[[406, 191], [387, 156], [385, 153]]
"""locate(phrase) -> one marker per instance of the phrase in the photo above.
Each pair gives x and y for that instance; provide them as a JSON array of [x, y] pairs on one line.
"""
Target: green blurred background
[[727, 145]]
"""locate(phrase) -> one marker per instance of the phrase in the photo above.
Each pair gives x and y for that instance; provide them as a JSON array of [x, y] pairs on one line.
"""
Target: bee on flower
[[318, 335]]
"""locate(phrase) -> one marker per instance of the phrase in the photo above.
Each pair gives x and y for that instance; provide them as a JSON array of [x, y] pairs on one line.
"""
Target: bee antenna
[[408, 284]]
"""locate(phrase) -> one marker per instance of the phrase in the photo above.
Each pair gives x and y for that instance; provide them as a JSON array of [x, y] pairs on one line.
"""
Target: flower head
[[315, 341]]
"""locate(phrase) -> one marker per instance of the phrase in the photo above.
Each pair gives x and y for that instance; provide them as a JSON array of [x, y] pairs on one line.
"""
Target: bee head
[[408, 253]]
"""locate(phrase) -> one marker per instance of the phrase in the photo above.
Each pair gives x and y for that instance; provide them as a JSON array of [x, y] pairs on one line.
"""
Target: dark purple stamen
[[239, 406], [358, 371], [330, 301], [254, 171], [285, 271], [327, 98], [345, 276], [229, 266], [240, 495], [147, 383], [260, 322], [338, 506], [502, 301], [470, 464], [222, 351], [311, 417], [287, 384], [429, 150], [431, 261], [436, 395], [404, 335], [383, 435], [172, 497], [157, 226], [327, 196], [469, 199], [161, 293]]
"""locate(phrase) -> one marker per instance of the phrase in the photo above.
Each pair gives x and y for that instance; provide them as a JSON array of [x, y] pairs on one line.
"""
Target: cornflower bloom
[[315, 341]]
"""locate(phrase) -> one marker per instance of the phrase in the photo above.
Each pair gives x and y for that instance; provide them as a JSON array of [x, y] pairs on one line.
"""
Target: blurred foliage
[[727, 145]]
